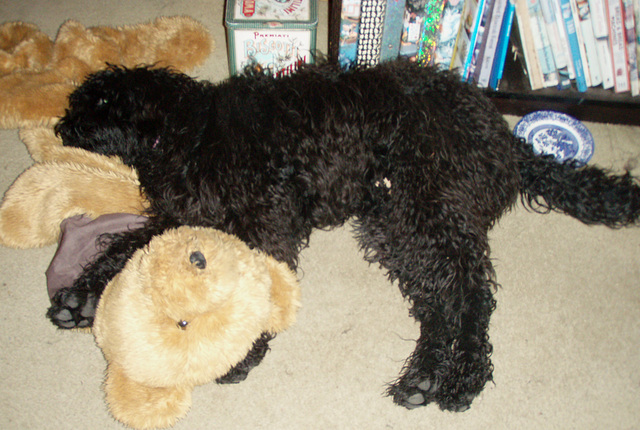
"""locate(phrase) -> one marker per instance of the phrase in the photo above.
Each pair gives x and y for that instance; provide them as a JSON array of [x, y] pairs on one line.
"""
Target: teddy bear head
[[183, 312]]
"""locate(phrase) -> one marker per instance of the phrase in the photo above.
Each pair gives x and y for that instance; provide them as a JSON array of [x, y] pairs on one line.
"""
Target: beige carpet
[[566, 331]]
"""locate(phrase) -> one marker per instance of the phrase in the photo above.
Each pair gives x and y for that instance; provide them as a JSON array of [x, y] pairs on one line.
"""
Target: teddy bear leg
[[74, 306], [443, 268]]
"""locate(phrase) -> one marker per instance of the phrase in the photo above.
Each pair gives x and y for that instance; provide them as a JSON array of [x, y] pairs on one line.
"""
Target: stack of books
[[565, 43]]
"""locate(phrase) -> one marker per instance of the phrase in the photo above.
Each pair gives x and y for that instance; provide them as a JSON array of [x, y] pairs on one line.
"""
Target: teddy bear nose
[[198, 260]]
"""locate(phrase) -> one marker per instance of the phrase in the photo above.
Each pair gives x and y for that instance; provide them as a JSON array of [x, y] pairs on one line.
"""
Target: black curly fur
[[423, 163]]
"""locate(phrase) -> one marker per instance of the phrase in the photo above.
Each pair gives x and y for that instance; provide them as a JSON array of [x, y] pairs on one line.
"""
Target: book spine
[[599, 15], [630, 31], [370, 38], [476, 61], [430, 31], [557, 40], [581, 45], [450, 26], [349, 31], [636, 9], [606, 62], [503, 44], [491, 42], [564, 41], [392, 31], [464, 34], [472, 39], [542, 44], [411, 29], [618, 46], [591, 51], [570, 25], [532, 64]]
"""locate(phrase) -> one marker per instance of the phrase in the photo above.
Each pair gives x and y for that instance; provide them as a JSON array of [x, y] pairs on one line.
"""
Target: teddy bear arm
[[285, 296]]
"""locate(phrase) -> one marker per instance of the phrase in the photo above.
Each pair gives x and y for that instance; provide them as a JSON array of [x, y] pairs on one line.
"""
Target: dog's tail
[[590, 194]]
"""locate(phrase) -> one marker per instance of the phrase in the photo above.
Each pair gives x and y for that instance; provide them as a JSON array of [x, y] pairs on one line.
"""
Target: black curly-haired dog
[[423, 163]]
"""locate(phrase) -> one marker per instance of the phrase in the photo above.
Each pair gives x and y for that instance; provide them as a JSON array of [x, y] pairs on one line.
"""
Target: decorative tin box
[[274, 35]]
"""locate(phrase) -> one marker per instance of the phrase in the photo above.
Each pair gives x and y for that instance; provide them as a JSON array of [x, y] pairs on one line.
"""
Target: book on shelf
[[490, 45], [503, 45], [344, 29], [414, 16], [534, 71], [450, 23], [429, 34], [582, 12], [392, 32], [475, 42], [561, 43], [463, 38], [617, 41], [630, 31], [542, 44], [557, 34], [370, 32]]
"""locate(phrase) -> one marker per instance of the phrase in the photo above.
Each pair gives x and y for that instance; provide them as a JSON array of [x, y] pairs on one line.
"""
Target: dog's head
[[124, 112]]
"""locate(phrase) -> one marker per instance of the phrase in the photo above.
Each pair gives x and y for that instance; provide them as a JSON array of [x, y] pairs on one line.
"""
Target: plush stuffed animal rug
[[566, 332]]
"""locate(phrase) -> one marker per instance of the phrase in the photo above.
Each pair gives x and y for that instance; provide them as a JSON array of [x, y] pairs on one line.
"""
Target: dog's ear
[[285, 296]]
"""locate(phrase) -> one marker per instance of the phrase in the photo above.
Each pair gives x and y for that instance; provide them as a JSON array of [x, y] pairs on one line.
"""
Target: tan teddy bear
[[37, 74], [183, 312], [185, 309]]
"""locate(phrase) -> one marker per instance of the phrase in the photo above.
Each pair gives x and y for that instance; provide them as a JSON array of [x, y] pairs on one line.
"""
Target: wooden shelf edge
[[584, 109]]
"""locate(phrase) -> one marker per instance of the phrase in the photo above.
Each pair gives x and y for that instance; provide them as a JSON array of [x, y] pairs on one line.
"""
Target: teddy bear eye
[[182, 324], [197, 259]]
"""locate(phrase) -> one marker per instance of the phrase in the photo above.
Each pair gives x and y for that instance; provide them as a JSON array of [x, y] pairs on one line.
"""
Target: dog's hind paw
[[423, 391], [73, 308], [414, 395]]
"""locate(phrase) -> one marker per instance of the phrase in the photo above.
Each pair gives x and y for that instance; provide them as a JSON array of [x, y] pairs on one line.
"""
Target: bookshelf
[[515, 97]]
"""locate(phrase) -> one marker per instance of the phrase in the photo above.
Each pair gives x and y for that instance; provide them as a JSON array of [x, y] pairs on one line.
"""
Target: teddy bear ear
[[142, 407], [285, 296]]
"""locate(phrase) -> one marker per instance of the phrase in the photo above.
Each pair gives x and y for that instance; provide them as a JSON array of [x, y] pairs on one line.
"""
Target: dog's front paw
[[452, 390], [73, 308]]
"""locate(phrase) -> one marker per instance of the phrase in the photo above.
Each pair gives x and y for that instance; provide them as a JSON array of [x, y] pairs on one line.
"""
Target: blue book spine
[[472, 40], [570, 25], [503, 44]]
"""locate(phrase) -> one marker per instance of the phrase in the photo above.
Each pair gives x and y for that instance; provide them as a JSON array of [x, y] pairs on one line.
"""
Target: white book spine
[[606, 62], [542, 44], [591, 51], [564, 40], [559, 54], [599, 15]]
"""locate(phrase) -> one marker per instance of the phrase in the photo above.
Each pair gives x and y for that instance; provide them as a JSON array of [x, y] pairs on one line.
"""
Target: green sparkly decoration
[[430, 32]]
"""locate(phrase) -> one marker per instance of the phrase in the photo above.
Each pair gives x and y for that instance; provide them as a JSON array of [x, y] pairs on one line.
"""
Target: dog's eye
[[197, 259], [182, 324], [102, 102]]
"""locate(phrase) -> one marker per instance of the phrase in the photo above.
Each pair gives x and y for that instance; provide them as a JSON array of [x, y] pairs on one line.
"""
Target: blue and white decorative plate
[[557, 134]]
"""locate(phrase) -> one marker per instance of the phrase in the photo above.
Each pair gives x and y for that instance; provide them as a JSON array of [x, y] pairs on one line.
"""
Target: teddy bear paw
[[73, 309]]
